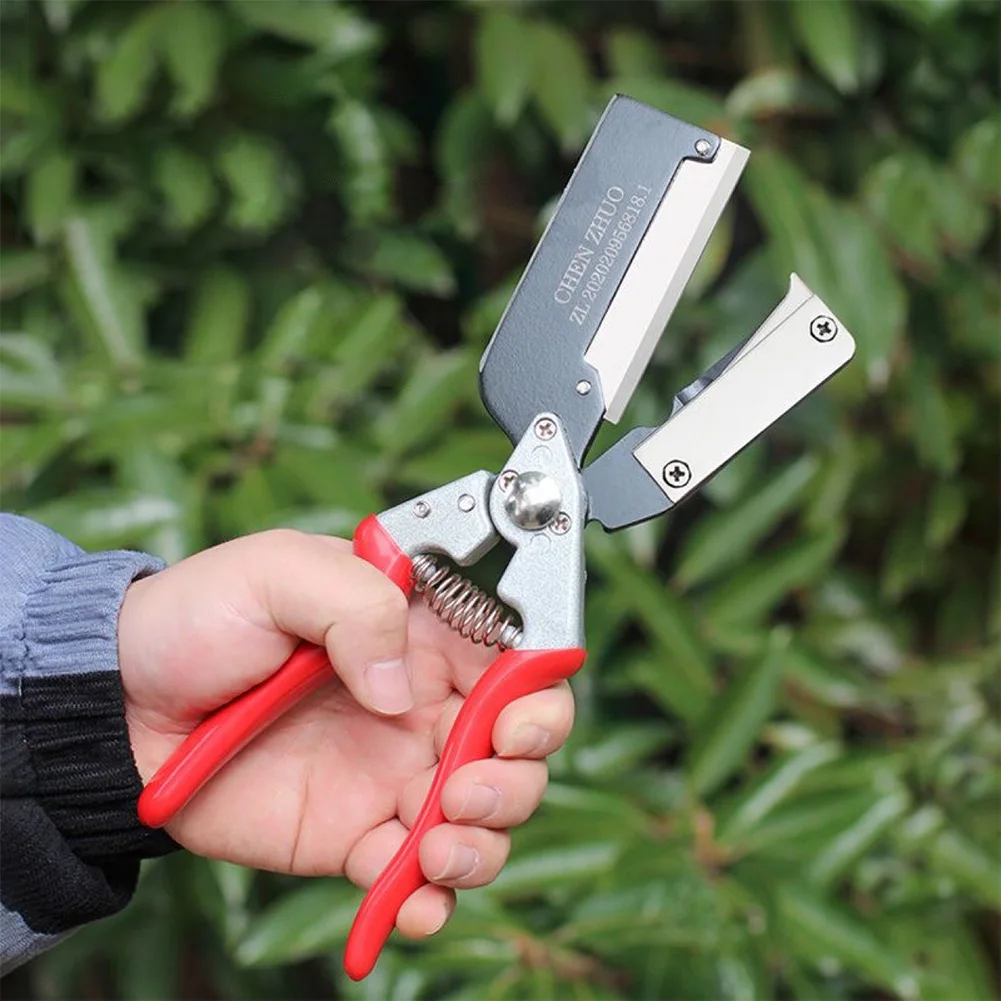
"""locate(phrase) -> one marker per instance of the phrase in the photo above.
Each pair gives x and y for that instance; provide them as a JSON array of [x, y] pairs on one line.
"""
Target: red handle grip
[[226, 732], [220, 736], [514, 674]]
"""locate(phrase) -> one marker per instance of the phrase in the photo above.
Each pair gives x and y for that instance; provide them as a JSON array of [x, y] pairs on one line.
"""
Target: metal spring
[[462, 606]]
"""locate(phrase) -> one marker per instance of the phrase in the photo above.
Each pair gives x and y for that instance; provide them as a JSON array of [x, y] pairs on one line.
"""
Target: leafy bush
[[252, 251]]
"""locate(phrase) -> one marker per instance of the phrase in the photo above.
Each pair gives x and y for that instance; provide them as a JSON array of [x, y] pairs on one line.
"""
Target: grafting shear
[[569, 350]]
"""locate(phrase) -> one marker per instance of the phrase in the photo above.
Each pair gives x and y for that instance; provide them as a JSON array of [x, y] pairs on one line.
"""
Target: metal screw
[[823, 328], [505, 480], [422, 509], [703, 147], [466, 502], [545, 428], [677, 473], [561, 524], [583, 387]]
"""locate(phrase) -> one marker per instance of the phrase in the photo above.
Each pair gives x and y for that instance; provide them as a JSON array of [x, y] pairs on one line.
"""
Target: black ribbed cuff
[[83, 774], [71, 708]]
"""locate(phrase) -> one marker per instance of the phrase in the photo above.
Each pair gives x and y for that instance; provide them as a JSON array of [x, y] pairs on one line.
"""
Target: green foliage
[[252, 251]]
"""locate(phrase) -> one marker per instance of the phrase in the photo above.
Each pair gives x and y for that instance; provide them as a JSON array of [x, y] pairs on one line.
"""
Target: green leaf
[[953, 854], [333, 29], [779, 92], [124, 76], [308, 922], [561, 84], [217, 321], [977, 157], [260, 186], [773, 788], [554, 868], [50, 192], [831, 33], [726, 537], [21, 270], [933, 426], [438, 385], [834, 859], [664, 619], [185, 182], [290, 331], [947, 510], [194, 39], [732, 724], [620, 750], [759, 586], [368, 344], [462, 145], [106, 519], [29, 373], [825, 931], [412, 262], [107, 303], [504, 63], [631, 52], [366, 184]]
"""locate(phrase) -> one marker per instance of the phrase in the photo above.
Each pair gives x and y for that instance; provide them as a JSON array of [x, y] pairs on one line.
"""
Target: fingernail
[[388, 685], [482, 802], [528, 739], [440, 922], [462, 860]]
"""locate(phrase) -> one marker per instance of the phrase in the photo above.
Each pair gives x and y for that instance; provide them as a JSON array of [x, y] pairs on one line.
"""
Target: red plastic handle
[[226, 732], [514, 674], [220, 736]]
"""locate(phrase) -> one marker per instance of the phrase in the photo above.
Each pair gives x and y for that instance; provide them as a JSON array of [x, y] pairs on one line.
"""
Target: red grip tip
[[514, 674]]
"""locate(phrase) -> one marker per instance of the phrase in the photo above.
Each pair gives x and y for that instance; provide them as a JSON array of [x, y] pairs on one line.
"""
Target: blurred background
[[252, 251]]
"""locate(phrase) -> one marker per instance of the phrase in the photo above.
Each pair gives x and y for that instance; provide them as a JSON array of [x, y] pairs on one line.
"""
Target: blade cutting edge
[[624, 342]]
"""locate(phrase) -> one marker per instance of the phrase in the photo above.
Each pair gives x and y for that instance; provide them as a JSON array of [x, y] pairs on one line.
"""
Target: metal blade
[[798, 348], [658, 274], [536, 359]]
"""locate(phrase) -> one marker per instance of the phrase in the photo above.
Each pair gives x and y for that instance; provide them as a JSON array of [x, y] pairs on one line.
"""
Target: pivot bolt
[[823, 328], [677, 473], [533, 501], [545, 428]]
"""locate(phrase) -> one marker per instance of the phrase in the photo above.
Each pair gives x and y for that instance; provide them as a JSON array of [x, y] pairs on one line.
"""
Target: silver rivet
[[466, 502], [561, 524], [703, 146], [422, 509], [505, 480], [823, 328], [583, 387], [545, 428], [677, 473], [533, 501]]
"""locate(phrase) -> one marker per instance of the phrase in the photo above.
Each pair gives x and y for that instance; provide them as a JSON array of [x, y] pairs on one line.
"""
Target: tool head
[[608, 272]]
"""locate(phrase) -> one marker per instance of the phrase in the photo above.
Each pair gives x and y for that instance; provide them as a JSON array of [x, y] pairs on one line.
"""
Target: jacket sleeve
[[70, 840]]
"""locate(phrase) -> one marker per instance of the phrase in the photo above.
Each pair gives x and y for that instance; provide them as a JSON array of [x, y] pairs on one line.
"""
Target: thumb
[[315, 588]]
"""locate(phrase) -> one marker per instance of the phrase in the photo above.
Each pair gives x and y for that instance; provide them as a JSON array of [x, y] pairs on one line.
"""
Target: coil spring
[[462, 606]]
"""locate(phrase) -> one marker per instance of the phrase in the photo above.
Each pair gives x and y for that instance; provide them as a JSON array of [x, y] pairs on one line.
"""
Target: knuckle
[[385, 604]]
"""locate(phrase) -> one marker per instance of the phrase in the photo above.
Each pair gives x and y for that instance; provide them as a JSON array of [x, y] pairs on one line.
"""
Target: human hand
[[331, 788]]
